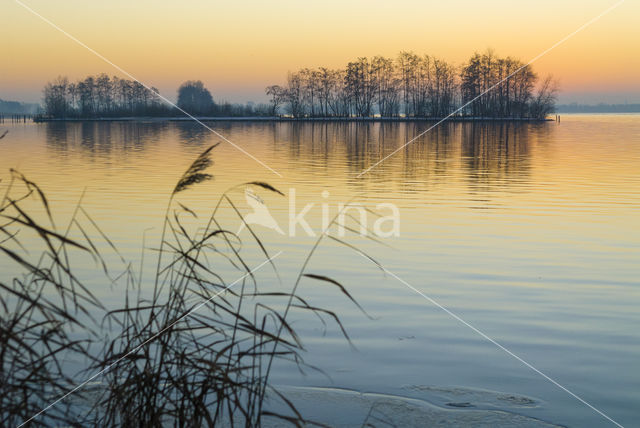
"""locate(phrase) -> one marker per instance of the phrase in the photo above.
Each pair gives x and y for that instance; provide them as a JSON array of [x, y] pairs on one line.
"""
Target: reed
[[161, 362]]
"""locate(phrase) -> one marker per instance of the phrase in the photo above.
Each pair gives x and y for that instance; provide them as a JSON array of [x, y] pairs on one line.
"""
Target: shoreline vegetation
[[408, 87], [184, 347]]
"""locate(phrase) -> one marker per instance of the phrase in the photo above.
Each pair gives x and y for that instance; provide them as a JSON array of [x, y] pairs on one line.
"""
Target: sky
[[239, 47]]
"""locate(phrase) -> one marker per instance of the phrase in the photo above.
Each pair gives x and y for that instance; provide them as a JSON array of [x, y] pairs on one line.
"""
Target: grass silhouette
[[160, 362]]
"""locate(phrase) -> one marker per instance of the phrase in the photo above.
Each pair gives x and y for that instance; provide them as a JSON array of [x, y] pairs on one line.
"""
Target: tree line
[[195, 99], [100, 96], [105, 96], [410, 85], [416, 86]]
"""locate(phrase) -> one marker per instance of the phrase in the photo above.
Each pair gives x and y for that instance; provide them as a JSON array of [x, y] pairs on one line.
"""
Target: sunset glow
[[238, 48]]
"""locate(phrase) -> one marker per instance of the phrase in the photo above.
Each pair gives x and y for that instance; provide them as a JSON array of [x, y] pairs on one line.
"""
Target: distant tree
[[361, 84], [442, 89], [498, 87], [72, 91], [194, 98], [278, 96], [339, 97], [310, 80], [294, 94], [56, 102], [155, 104], [524, 82], [103, 87], [387, 86], [141, 98], [86, 90], [545, 100], [407, 70], [262, 110], [101, 96], [470, 86], [421, 86]]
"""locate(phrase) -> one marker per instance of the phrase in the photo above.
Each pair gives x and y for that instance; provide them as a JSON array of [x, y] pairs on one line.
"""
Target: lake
[[529, 232]]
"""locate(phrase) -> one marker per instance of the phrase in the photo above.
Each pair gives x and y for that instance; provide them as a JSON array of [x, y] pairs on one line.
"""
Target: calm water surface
[[528, 232]]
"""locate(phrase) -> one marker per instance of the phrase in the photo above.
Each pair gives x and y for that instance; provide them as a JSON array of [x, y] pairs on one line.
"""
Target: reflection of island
[[102, 138], [496, 154], [192, 132], [493, 152]]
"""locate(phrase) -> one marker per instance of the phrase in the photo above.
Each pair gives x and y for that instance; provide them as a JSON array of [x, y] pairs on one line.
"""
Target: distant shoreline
[[597, 108], [289, 119]]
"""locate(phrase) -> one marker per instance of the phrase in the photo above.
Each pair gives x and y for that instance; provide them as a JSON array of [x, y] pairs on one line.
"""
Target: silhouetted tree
[[503, 87], [413, 85], [361, 84], [278, 96], [56, 101], [294, 94], [326, 86], [545, 100], [194, 98], [87, 97], [104, 93], [442, 88], [418, 86], [101, 96], [310, 88], [407, 69], [387, 86]]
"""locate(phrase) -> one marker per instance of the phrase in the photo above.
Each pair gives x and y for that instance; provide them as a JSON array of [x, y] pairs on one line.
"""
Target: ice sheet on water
[[439, 407], [423, 405], [478, 398]]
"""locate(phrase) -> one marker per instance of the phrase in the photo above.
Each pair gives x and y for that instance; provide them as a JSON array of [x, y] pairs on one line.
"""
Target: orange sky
[[239, 47]]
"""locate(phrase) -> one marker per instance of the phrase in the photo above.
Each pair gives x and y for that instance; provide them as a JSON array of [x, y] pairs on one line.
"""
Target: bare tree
[[545, 99], [340, 99], [327, 82], [103, 93], [278, 96], [442, 88], [387, 86], [407, 69], [100, 96], [361, 85], [418, 86], [310, 89], [504, 87], [56, 101], [294, 94]]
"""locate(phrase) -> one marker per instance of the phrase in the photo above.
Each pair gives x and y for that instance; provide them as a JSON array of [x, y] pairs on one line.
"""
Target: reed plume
[[166, 365], [194, 175]]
